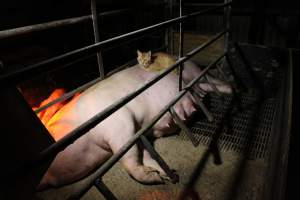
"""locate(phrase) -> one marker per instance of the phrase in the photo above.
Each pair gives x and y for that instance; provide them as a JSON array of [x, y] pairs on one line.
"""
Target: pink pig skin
[[91, 150]]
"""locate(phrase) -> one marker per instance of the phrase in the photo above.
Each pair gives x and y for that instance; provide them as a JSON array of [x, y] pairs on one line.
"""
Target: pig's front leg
[[122, 132]]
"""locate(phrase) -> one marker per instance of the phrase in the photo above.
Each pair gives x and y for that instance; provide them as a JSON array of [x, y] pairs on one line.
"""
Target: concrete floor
[[234, 178]]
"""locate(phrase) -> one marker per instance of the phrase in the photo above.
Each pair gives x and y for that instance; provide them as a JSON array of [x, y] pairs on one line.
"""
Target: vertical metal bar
[[174, 177], [206, 112], [180, 48], [96, 35], [227, 18], [104, 190], [167, 30], [183, 127], [171, 33]]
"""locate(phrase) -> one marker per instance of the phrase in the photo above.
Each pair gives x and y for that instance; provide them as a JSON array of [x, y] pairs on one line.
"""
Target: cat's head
[[144, 58]]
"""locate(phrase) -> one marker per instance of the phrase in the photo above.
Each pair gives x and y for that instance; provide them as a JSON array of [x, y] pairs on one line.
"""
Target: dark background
[[261, 22]]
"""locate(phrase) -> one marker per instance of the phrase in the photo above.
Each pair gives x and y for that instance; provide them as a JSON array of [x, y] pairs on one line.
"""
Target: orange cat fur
[[155, 62]]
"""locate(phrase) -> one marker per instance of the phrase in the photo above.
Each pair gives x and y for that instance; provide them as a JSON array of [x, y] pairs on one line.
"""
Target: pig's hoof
[[173, 179], [148, 175]]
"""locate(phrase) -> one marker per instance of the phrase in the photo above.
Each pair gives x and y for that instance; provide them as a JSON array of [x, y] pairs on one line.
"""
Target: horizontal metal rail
[[202, 4], [117, 156], [89, 124], [54, 24], [88, 84], [80, 89], [42, 67]]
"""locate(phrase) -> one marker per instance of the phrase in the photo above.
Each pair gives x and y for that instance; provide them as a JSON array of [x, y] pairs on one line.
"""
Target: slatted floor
[[244, 124]]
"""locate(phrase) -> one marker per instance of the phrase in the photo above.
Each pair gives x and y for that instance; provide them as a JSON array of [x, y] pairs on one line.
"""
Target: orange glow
[[48, 113], [157, 195]]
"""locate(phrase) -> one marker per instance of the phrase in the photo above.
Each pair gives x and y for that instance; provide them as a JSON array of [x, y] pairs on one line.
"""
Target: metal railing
[[42, 67], [72, 136]]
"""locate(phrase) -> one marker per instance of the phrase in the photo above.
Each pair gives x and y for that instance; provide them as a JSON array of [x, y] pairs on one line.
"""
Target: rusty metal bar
[[97, 37], [174, 177], [53, 24], [46, 65], [117, 156]]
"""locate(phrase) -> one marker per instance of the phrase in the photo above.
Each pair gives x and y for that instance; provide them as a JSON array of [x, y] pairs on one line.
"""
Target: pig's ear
[[139, 53]]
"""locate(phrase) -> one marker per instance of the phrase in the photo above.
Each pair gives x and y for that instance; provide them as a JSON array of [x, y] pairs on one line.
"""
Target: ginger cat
[[156, 62]]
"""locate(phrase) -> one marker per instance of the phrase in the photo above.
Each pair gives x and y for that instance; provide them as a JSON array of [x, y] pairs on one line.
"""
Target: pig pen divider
[[49, 64], [52, 150], [112, 160], [82, 129]]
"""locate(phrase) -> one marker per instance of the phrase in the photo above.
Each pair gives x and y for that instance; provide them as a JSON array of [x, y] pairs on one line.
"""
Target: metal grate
[[244, 125]]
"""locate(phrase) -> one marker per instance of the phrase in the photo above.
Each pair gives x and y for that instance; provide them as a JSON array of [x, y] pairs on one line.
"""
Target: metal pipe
[[54, 24], [117, 156], [203, 4], [87, 85], [183, 127], [85, 127], [97, 37], [104, 190], [80, 89], [46, 65], [171, 32], [227, 18], [180, 47]]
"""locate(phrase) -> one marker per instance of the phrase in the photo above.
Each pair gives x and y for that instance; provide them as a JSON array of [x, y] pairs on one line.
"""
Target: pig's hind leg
[[132, 161], [149, 161]]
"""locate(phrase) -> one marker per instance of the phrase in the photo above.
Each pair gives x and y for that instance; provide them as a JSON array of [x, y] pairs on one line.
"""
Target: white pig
[[95, 147]]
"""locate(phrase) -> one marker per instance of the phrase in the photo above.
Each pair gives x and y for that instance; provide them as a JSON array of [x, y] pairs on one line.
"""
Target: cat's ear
[[139, 53], [149, 53]]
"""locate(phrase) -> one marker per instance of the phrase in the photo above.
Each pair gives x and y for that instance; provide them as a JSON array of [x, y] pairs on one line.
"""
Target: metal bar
[[227, 19], [202, 4], [104, 190], [80, 89], [89, 124], [117, 156], [171, 32], [82, 129], [206, 112], [97, 37], [53, 24], [174, 177], [46, 65], [180, 48], [183, 127], [222, 73], [87, 85]]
